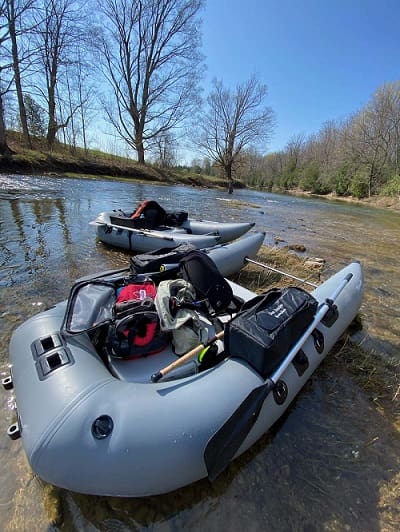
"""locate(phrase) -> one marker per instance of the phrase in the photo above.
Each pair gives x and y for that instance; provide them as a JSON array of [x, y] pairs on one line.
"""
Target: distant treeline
[[359, 156]]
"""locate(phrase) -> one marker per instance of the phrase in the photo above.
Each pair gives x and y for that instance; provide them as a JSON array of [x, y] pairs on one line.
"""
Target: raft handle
[[54, 360], [14, 431], [7, 383], [45, 344]]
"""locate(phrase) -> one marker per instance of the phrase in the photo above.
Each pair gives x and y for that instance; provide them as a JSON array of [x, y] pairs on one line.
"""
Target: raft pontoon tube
[[103, 427], [119, 230]]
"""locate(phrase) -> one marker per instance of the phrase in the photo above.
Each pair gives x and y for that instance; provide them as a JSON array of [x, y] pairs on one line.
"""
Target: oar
[[151, 233], [145, 232], [280, 272], [180, 361], [224, 444]]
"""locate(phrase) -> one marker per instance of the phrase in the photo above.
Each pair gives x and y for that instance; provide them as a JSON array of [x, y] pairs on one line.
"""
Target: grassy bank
[[66, 160]]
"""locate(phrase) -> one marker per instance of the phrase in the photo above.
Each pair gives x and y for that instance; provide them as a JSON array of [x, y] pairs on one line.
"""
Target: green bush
[[309, 179], [359, 186], [341, 181], [392, 187]]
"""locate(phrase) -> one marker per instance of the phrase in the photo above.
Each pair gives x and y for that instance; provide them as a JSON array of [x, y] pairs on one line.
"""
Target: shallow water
[[331, 464]]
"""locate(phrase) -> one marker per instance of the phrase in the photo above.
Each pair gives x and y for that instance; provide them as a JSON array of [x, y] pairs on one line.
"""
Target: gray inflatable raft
[[119, 231], [112, 431], [230, 257]]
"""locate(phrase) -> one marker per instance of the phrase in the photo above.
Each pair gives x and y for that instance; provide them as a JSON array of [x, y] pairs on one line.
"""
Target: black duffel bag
[[152, 261], [267, 326]]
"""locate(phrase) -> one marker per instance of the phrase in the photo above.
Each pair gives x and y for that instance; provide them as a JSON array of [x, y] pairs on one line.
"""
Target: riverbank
[[65, 165], [382, 202], [66, 161], [52, 165]]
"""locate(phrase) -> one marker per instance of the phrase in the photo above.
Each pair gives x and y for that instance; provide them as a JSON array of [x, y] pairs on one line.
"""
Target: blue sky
[[321, 59]]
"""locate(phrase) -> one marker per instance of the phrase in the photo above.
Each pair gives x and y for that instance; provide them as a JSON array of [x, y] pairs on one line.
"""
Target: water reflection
[[332, 463]]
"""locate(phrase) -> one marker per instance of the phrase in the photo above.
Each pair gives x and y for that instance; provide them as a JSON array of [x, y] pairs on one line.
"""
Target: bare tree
[[366, 142], [5, 150], [386, 104], [165, 147], [294, 149], [233, 121], [58, 35], [5, 79], [17, 13], [152, 63], [78, 96]]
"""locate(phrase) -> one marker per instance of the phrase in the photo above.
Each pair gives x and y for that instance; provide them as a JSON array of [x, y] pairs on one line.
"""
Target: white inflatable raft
[[103, 427]]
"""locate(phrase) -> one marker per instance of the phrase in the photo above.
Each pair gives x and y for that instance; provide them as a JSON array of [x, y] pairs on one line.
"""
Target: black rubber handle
[[156, 376]]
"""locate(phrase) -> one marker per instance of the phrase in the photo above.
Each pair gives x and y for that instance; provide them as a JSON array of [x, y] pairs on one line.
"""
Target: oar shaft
[[185, 358], [144, 232], [280, 272], [318, 317]]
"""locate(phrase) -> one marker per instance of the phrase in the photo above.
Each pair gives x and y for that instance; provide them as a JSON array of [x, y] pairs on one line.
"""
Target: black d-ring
[[280, 392], [319, 341]]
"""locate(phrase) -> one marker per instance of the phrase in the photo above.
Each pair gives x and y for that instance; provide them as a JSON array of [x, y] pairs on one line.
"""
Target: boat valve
[[7, 382], [14, 431], [102, 427]]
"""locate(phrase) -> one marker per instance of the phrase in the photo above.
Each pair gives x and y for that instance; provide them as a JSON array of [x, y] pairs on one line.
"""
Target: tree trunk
[[52, 127], [18, 85], [140, 153], [139, 147], [52, 124], [5, 150], [228, 171], [51, 133]]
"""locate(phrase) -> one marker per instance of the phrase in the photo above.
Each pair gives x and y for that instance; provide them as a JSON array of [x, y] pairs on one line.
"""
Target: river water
[[332, 463]]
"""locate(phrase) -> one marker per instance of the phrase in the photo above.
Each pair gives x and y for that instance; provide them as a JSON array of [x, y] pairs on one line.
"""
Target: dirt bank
[[383, 202]]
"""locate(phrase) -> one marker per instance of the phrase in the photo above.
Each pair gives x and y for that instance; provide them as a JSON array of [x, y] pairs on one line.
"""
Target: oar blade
[[224, 444]]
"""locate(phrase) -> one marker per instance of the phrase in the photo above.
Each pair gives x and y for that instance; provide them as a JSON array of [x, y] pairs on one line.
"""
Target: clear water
[[332, 463]]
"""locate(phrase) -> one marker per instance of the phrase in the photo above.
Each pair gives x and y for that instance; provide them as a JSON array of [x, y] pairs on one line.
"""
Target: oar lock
[[280, 392]]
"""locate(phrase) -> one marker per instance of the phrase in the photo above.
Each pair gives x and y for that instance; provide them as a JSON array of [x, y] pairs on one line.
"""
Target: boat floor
[[140, 369]]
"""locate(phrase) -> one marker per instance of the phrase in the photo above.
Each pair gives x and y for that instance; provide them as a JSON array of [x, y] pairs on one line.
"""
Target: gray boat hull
[[160, 430], [200, 233]]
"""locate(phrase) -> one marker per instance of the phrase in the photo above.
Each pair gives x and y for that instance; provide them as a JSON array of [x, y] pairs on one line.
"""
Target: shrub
[[341, 182], [392, 187], [359, 186], [309, 179]]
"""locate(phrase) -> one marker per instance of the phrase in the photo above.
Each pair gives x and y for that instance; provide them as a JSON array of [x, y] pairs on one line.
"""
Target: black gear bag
[[267, 326], [159, 260], [200, 271]]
